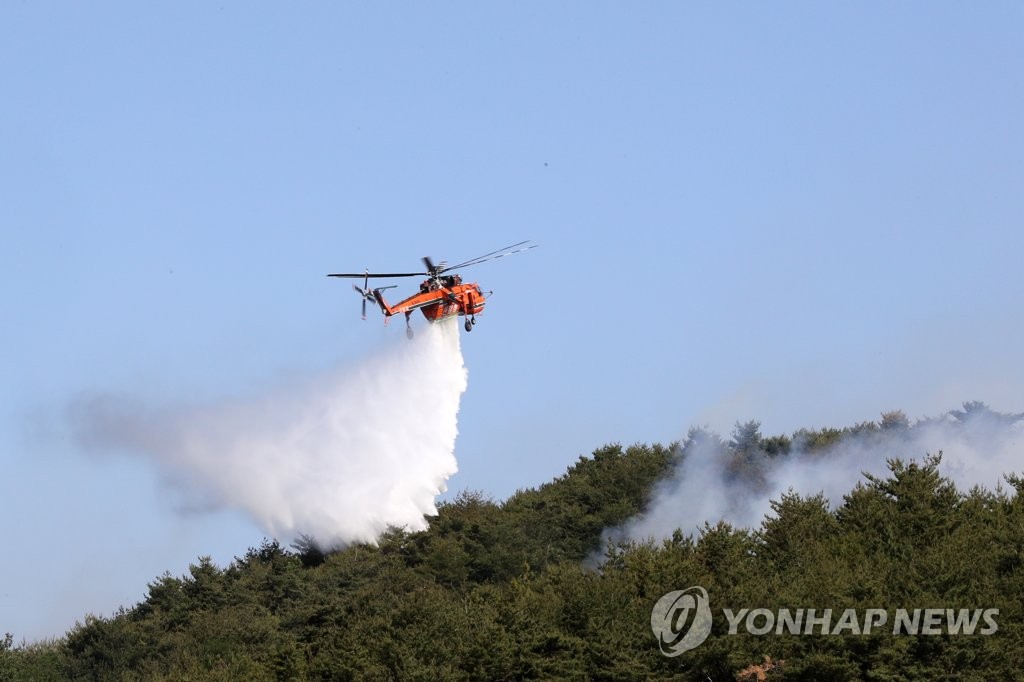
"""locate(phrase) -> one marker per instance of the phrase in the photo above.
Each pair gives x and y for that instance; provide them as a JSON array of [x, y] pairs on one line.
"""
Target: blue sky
[[804, 213]]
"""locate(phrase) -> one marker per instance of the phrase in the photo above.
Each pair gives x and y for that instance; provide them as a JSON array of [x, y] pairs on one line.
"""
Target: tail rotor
[[371, 295], [365, 292]]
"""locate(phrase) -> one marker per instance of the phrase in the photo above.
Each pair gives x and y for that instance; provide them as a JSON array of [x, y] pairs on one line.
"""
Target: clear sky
[[802, 213]]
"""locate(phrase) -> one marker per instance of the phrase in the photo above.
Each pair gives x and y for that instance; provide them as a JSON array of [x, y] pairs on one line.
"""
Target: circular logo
[[681, 620]]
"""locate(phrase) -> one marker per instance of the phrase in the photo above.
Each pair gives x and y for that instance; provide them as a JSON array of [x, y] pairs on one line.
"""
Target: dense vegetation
[[505, 591]]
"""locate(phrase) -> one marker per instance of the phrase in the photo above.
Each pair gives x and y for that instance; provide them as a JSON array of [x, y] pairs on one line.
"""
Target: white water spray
[[339, 457]]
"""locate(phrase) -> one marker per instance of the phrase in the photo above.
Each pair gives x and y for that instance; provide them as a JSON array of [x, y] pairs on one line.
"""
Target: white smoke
[[978, 447], [339, 457]]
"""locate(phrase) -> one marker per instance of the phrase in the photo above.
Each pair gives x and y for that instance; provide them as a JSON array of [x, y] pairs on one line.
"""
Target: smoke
[[735, 481], [338, 457]]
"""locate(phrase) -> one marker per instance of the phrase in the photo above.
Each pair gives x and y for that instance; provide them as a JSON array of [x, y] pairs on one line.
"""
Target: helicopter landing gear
[[408, 333], [470, 321]]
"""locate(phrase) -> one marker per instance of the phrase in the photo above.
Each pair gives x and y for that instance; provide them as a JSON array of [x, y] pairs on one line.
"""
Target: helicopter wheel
[[469, 325]]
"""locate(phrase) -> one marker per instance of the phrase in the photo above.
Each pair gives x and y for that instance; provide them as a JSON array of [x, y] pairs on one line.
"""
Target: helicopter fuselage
[[437, 301]]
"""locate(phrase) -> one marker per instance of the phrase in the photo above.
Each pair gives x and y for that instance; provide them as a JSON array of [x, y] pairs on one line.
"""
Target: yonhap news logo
[[681, 620]]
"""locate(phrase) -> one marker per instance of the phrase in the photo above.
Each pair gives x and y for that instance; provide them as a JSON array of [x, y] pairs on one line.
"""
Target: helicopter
[[441, 294]]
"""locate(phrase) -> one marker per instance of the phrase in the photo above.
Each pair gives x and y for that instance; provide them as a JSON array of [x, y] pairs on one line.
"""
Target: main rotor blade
[[435, 270], [378, 274], [500, 253]]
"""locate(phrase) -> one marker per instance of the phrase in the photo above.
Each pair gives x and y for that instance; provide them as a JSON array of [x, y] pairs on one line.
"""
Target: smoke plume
[[735, 481], [339, 457]]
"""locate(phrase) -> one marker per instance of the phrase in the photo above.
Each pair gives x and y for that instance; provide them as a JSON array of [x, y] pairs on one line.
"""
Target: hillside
[[507, 590]]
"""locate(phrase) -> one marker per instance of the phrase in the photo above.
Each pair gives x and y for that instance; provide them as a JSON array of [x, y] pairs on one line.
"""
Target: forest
[[534, 587]]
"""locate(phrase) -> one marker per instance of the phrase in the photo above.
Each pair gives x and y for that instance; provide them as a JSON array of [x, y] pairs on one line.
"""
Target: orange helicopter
[[440, 296]]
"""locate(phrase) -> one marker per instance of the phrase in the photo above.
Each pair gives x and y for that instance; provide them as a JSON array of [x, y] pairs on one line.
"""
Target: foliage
[[501, 590]]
